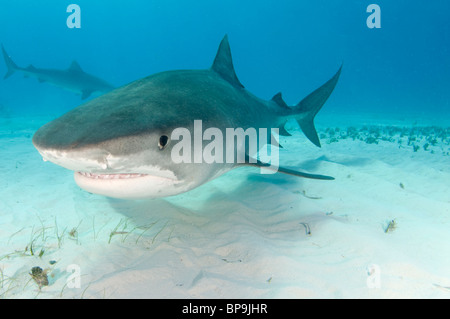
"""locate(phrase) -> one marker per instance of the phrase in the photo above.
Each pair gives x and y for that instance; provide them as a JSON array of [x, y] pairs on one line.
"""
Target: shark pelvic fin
[[223, 63]]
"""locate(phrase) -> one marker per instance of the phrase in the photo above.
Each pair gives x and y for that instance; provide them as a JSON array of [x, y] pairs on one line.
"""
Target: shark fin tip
[[223, 63]]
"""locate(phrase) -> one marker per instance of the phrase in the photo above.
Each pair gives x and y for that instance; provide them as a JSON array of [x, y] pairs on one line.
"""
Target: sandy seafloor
[[243, 235]]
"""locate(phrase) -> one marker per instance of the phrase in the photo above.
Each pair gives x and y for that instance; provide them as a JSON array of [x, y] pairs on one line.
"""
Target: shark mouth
[[111, 176], [128, 185]]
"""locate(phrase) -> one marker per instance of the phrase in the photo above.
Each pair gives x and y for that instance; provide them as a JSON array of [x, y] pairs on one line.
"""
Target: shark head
[[119, 144]]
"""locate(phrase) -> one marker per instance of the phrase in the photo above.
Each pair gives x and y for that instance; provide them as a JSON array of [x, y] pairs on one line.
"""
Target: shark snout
[[98, 162], [68, 150], [99, 172], [76, 160]]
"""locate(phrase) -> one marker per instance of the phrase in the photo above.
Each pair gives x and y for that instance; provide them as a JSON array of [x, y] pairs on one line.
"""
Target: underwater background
[[380, 230], [289, 46]]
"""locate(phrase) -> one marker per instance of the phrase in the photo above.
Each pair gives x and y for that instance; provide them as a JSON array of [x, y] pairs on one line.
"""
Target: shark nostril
[[163, 140]]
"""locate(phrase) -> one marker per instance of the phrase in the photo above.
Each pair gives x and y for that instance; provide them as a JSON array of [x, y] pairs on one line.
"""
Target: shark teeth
[[111, 176]]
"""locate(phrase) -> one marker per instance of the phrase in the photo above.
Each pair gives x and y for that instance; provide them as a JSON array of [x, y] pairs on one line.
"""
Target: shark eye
[[163, 140]]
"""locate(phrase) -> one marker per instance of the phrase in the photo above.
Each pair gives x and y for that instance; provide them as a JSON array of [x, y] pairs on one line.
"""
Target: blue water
[[245, 234], [288, 46]]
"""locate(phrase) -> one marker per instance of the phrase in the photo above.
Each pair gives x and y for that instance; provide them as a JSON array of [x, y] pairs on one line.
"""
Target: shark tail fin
[[306, 110], [12, 67]]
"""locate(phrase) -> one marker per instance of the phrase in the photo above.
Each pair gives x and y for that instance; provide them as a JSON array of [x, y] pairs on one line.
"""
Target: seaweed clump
[[428, 138], [39, 276], [391, 226]]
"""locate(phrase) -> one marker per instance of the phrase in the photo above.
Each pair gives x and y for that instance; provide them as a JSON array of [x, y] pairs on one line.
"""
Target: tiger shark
[[121, 144], [73, 78]]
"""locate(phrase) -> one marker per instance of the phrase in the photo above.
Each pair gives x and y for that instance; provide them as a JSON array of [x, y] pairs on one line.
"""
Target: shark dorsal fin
[[223, 63], [277, 98], [75, 67]]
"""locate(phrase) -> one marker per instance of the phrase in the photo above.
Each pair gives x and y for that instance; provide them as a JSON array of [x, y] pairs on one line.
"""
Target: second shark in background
[[73, 78]]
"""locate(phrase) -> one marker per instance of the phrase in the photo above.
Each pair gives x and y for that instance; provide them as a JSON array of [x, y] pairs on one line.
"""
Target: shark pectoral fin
[[271, 140], [250, 161], [85, 94], [303, 174]]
